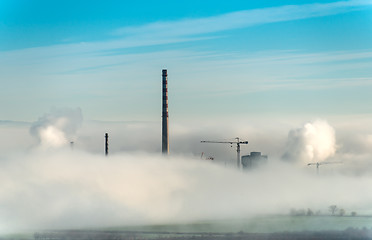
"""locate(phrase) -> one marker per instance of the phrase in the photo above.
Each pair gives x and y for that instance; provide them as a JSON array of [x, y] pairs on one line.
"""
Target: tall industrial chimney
[[165, 137], [106, 144]]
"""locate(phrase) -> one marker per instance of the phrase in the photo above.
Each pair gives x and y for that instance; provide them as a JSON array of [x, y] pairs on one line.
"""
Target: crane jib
[[238, 142]]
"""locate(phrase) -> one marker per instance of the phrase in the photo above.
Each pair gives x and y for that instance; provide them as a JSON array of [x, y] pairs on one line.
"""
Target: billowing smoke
[[314, 142], [57, 128]]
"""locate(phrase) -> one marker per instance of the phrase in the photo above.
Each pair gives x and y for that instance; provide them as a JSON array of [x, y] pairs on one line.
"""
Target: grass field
[[264, 224]]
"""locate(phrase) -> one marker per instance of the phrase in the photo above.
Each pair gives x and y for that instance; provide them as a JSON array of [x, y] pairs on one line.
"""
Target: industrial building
[[254, 160]]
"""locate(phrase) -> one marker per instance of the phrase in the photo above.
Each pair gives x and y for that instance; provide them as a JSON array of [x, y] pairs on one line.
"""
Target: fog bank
[[44, 184], [73, 189]]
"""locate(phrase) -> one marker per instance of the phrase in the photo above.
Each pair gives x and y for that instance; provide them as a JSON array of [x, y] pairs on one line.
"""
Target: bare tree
[[332, 209]]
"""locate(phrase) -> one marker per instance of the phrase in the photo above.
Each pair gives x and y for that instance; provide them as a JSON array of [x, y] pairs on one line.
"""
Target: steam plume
[[314, 142], [54, 129]]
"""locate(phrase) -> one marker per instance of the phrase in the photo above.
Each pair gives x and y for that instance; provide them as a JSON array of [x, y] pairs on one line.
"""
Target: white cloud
[[59, 74], [314, 142], [55, 129], [241, 19], [158, 33]]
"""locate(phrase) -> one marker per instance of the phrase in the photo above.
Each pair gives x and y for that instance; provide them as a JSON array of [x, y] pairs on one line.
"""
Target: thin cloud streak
[[242, 19], [160, 33], [310, 67]]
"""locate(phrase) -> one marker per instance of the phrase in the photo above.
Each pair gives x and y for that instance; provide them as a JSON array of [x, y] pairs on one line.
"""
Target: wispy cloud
[[195, 29], [263, 71], [242, 19], [53, 72]]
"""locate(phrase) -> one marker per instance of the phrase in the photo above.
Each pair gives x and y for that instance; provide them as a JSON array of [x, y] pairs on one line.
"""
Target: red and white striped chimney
[[165, 137]]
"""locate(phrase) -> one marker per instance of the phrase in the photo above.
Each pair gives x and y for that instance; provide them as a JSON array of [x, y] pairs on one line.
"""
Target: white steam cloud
[[57, 128], [314, 142]]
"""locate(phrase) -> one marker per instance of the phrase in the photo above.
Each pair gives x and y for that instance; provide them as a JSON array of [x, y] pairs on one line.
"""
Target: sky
[[294, 78], [225, 60]]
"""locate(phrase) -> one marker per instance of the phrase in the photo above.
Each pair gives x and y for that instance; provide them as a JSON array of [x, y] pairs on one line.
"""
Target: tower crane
[[317, 164], [237, 142]]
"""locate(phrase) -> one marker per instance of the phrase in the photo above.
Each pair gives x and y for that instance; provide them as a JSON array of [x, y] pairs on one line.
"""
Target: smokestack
[[106, 144], [165, 137]]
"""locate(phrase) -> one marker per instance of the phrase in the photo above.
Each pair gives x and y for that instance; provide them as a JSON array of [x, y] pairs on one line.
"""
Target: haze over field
[[291, 77]]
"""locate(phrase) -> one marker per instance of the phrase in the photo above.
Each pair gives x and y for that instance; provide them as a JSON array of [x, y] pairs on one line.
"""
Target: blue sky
[[225, 59]]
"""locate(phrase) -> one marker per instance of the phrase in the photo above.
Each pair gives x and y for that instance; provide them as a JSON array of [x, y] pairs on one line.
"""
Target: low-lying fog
[[46, 184]]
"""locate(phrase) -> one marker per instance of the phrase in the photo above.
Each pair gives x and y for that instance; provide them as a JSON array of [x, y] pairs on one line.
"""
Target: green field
[[264, 224]]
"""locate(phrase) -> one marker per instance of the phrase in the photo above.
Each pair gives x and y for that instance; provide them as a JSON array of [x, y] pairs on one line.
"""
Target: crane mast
[[237, 142]]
